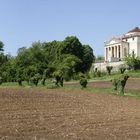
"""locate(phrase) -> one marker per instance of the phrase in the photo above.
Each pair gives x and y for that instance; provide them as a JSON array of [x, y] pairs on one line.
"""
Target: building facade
[[117, 48]]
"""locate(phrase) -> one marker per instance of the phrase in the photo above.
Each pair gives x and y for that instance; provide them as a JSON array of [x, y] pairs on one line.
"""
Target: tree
[[100, 57], [119, 82], [20, 76], [109, 69], [32, 60], [1, 46], [83, 81], [88, 58], [122, 68], [68, 65], [133, 62], [72, 45], [48, 73], [59, 78], [68, 56], [35, 79]]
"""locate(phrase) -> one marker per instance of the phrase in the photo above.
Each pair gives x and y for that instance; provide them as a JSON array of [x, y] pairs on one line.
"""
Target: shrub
[[133, 62], [35, 79], [43, 81], [98, 73], [58, 75], [83, 81], [1, 80], [19, 80], [118, 83], [109, 69], [122, 68]]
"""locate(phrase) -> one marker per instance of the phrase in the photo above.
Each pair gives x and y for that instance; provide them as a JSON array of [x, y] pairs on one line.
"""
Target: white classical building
[[117, 48]]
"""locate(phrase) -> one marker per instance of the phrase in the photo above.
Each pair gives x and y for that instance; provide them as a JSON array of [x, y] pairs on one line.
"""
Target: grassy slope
[[132, 74]]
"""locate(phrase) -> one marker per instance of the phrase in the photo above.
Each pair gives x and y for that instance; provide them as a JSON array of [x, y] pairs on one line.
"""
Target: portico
[[115, 50]]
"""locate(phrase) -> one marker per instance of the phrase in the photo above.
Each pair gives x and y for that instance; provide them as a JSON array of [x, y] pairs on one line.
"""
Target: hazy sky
[[92, 21]]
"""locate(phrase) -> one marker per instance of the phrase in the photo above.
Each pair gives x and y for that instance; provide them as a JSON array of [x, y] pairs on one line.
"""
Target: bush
[[109, 69], [133, 62], [118, 83], [122, 68], [83, 81], [58, 75], [98, 74], [35, 79], [19, 80], [43, 81], [1, 80]]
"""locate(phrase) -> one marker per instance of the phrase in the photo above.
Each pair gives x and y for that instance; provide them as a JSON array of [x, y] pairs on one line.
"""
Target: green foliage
[[68, 56], [133, 62], [1, 46], [83, 81], [19, 80], [119, 82], [87, 59], [109, 69], [35, 79], [58, 75], [98, 73], [1, 80], [20, 76], [122, 68], [100, 57], [43, 81], [68, 66]]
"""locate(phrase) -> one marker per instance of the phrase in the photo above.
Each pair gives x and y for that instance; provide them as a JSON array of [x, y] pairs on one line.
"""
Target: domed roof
[[136, 29]]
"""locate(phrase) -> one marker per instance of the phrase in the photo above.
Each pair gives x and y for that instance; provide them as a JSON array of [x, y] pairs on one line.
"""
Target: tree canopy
[[42, 60]]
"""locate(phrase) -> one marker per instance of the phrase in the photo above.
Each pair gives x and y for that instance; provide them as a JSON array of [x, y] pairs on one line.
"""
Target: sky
[[23, 22]]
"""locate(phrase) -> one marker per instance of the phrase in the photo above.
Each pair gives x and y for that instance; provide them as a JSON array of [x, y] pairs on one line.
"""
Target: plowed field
[[41, 114]]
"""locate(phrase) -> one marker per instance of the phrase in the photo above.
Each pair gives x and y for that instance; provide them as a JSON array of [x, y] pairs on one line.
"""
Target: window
[[126, 40], [133, 53], [133, 38]]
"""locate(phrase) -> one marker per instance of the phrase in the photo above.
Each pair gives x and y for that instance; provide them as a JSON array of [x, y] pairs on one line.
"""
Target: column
[[109, 53], [116, 51], [112, 52], [106, 54]]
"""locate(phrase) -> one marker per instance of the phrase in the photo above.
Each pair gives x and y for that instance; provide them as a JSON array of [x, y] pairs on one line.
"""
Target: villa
[[118, 47]]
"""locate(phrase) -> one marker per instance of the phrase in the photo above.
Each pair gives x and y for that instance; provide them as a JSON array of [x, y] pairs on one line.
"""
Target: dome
[[136, 29]]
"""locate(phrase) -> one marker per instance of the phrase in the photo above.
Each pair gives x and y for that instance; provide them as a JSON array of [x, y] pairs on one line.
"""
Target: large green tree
[[42, 60]]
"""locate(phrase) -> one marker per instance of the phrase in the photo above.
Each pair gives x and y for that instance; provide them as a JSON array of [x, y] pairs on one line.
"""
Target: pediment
[[113, 41]]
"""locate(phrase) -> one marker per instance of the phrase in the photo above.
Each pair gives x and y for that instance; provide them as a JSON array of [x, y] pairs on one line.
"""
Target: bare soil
[[41, 114]]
